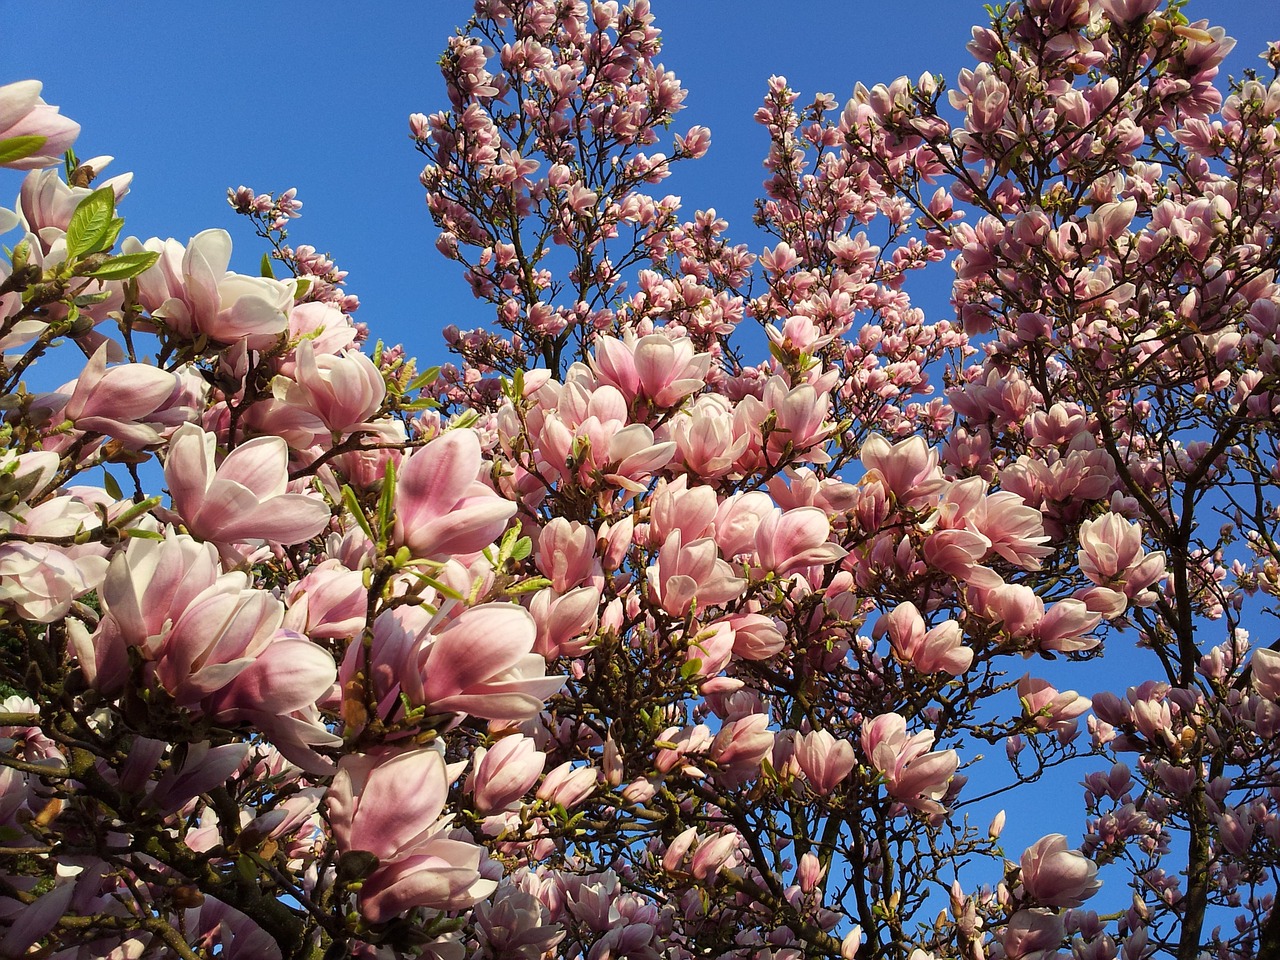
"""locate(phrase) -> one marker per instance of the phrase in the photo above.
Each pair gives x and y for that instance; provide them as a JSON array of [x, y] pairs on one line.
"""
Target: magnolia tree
[[613, 639]]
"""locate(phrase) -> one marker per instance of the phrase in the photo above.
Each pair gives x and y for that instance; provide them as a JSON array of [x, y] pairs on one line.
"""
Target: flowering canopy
[[603, 641]]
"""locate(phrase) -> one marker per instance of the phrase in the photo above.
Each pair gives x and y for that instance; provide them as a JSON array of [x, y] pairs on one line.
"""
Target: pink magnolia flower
[[933, 651], [343, 390], [442, 508], [786, 542], [24, 114], [505, 772], [1022, 615], [568, 784], [1111, 556], [482, 664], [1265, 670], [119, 402], [1057, 876], [1032, 934], [46, 202], [825, 760], [245, 498], [908, 469], [193, 293], [656, 368], [567, 555], [389, 804], [330, 602], [912, 773], [566, 624], [1049, 709], [689, 573]]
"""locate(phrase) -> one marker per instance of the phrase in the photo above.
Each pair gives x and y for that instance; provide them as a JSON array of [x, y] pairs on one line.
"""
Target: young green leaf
[[265, 270], [126, 266], [91, 222], [19, 148]]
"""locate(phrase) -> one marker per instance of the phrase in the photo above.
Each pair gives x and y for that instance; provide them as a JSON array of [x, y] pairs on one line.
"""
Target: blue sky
[[197, 97]]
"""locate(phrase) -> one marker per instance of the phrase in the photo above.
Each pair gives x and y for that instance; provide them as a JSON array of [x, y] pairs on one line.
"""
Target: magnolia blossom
[[389, 803], [245, 497], [193, 293], [912, 773], [825, 760], [1057, 876], [937, 650], [442, 508], [24, 114]]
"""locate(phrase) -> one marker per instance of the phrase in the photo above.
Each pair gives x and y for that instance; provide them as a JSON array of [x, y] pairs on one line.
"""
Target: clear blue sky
[[196, 97]]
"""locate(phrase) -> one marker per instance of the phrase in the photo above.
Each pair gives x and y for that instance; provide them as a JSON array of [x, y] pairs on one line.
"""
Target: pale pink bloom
[[800, 420], [482, 664], [24, 114], [713, 854], [785, 542], [1265, 670], [245, 498], [737, 519], [324, 326], [673, 857], [41, 581], [908, 469], [46, 202], [689, 573], [937, 650], [707, 437], [676, 506], [514, 924], [119, 402], [1022, 615], [756, 637], [566, 555], [505, 772], [1057, 876], [193, 293], [442, 508], [330, 602], [912, 773], [825, 760], [739, 747], [809, 873], [147, 586], [342, 390], [1033, 934], [568, 784], [389, 804], [1016, 531], [1049, 709], [1111, 556], [1127, 11], [567, 623], [655, 368], [711, 647]]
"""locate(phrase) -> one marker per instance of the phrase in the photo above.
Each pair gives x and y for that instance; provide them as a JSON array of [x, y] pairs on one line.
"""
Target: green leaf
[[125, 266], [300, 288], [90, 223], [528, 586], [144, 534], [19, 148], [265, 270], [349, 498], [386, 502], [109, 484], [523, 547], [421, 380]]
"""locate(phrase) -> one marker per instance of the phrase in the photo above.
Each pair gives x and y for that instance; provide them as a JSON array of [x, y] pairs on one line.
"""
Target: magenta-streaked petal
[[479, 644]]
